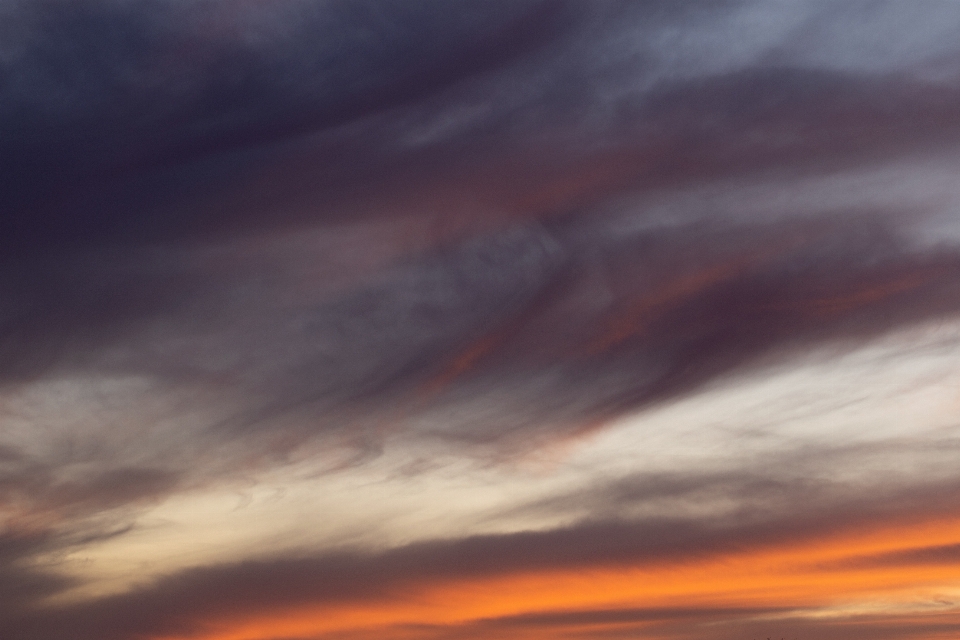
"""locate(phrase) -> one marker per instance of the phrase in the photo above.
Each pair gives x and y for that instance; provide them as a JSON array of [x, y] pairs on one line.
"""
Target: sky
[[515, 319]]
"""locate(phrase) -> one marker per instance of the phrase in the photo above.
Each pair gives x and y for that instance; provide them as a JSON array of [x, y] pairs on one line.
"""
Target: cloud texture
[[347, 319]]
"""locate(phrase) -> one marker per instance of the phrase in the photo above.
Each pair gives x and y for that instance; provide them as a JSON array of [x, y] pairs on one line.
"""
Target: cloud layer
[[496, 286]]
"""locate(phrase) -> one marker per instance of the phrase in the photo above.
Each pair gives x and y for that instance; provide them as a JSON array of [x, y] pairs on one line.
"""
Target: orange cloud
[[806, 579]]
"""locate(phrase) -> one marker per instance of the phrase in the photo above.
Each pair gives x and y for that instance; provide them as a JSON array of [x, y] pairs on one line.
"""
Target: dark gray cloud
[[112, 113], [21, 586], [100, 83], [44, 492], [46, 512], [568, 321]]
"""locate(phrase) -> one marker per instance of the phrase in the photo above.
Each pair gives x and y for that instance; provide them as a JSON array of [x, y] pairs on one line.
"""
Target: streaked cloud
[[347, 319]]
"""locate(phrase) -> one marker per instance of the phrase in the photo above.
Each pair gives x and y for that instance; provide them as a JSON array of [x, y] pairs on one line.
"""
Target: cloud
[[573, 319], [721, 624], [183, 602], [948, 554], [21, 587], [174, 76], [236, 233], [767, 512]]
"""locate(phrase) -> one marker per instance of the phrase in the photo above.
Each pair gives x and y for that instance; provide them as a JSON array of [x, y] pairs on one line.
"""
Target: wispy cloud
[[440, 323]]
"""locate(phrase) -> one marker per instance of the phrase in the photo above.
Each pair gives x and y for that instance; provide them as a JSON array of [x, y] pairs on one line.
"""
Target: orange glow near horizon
[[811, 575]]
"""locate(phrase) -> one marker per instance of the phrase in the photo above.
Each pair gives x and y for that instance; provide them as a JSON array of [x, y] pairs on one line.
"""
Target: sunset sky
[[473, 319]]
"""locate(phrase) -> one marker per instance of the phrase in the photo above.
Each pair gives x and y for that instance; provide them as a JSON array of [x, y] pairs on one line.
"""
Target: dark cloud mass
[[492, 225], [115, 82]]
